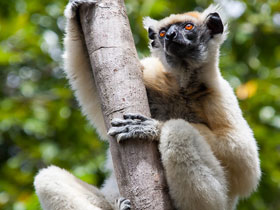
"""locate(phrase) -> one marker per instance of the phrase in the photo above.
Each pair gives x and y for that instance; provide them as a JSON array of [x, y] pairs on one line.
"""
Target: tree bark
[[117, 73]]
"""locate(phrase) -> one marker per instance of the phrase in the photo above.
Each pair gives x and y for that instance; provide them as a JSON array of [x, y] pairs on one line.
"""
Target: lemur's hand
[[73, 5], [135, 126]]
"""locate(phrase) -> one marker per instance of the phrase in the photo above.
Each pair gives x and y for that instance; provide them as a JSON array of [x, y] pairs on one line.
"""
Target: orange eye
[[189, 26], [162, 33]]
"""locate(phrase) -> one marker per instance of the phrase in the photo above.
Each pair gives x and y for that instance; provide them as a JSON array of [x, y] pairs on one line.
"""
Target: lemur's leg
[[57, 189], [195, 177]]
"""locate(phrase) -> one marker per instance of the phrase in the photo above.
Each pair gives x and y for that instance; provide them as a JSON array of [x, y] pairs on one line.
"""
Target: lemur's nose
[[171, 34]]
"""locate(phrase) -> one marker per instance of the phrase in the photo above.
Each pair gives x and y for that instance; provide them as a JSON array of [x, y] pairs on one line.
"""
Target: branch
[[117, 73]]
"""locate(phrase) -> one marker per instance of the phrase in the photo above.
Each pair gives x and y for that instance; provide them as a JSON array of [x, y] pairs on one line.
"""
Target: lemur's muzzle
[[173, 36]]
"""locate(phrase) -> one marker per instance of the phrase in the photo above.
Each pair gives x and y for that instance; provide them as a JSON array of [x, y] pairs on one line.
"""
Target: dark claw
[[122, 136]]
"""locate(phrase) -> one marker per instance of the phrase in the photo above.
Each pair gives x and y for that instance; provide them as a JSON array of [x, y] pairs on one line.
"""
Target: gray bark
[[117, 73]]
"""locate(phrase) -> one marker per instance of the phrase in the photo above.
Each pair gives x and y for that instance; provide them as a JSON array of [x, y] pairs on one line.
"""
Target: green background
[[40, 121]]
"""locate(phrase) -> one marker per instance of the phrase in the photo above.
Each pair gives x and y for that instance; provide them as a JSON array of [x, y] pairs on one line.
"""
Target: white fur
[[192, 154], [149, 22], [78, 71], [59, 190], [211, 9]]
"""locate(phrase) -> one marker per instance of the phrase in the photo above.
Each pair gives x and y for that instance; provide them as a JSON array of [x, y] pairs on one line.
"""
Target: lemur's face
[[185, 37]]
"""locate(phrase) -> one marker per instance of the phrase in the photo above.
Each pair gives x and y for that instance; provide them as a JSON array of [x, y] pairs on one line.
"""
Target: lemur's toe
[[121, 122], [135, 117], [123, 204], [113, 131]]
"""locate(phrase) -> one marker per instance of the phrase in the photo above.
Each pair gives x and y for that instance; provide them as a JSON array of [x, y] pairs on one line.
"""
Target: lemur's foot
[[123, 204], [134, 126], [73, 5]]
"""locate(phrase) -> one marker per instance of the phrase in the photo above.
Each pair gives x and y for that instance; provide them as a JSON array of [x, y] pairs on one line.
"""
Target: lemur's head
[[186, 38]]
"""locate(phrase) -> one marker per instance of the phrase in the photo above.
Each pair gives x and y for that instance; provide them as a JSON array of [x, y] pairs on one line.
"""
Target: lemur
[[208, 151]]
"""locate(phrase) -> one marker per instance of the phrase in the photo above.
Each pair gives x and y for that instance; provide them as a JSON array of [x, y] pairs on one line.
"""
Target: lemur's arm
[[231, 139], [78, 70]]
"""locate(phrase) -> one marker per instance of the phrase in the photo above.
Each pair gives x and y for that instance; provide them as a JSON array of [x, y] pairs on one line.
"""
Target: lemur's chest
[[183, 105]]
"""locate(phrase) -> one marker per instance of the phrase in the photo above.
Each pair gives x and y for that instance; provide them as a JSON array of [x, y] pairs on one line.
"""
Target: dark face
[[186, 40], [180, 39]]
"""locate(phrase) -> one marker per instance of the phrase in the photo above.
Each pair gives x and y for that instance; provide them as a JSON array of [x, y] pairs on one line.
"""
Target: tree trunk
[[117, 73]]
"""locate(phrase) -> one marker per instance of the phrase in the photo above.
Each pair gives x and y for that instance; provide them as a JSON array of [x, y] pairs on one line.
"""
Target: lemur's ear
[[215, 24], [152, 34], [150, 26]]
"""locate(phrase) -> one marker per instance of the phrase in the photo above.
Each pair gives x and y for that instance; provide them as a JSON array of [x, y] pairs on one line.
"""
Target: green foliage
[[40, 121]]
